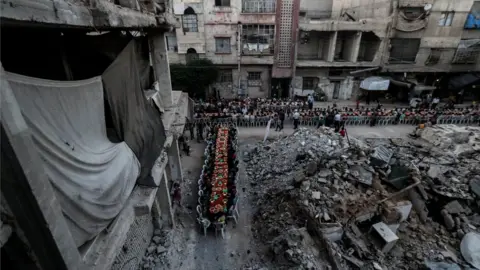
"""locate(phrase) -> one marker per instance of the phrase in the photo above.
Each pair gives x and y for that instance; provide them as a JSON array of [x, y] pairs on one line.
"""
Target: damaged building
[[281, 48], [89, 132], [350, 203]]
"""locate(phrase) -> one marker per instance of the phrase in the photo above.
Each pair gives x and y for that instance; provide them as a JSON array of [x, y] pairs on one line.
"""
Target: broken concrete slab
[[381, 156], [388, 237], [454, 207]]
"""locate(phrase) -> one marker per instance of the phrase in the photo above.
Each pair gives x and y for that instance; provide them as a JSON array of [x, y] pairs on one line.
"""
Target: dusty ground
[[191, 250]]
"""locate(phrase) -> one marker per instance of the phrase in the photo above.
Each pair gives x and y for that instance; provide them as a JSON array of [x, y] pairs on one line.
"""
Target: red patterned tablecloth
[[219, 195]]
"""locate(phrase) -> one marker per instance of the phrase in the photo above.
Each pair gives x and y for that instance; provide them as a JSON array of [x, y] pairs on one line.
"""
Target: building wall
[[435, 37], [346, 83]]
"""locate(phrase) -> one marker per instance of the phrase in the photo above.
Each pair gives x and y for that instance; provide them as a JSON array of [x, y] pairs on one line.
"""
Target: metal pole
[[239, 55]]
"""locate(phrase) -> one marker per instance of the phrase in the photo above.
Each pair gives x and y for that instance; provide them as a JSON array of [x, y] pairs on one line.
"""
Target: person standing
[[310, 101], [281, 118], [435, 102], [296, 119], [336, 121]]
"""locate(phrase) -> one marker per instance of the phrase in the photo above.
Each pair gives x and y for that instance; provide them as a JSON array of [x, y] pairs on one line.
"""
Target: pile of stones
[[333, 188]]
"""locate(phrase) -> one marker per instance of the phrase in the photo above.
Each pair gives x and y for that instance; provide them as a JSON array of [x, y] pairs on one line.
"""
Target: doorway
[[336, 89], [280, 87]]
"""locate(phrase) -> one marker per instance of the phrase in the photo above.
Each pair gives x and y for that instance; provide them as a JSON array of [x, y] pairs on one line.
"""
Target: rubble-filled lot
[[327, 202]]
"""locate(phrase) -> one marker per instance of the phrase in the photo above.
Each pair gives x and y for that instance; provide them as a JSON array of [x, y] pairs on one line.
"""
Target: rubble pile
[[157, 251], [352, 198]]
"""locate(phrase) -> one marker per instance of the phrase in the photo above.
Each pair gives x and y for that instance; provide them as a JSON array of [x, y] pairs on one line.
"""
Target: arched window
[[189, 20], [191, 55]]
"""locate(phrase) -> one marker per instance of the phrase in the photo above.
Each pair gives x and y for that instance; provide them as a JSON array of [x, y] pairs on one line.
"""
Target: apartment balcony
[[413, 3], [88, 14], [379, 26]]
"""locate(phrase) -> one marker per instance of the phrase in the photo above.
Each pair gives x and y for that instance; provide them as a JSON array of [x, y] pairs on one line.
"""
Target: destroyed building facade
[[89, 126], [282, 48]]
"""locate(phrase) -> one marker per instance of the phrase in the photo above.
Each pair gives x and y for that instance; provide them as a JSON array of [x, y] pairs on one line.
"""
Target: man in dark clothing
[[281, 117], [199, 131]]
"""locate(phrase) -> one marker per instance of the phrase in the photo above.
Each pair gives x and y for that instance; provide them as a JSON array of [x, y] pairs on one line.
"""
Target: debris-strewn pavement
[[327, 202]]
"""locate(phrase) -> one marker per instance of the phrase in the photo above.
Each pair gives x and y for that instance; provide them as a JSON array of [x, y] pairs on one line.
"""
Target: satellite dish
[[427, 7]]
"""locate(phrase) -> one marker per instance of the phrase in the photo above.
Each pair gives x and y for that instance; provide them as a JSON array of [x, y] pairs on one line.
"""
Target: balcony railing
[[258, 6]]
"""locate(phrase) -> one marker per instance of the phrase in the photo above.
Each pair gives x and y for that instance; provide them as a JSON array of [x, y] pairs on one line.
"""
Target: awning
[[464, 80], [420, 88], [375, 84]]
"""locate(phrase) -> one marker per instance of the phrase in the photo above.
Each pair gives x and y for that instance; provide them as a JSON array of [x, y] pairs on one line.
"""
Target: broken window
[[434, 57], [189, 20], [369, 45], [258, 39], [467, 52], [258, 6], [403, 50], [344, 46], [222, 45], [172, 44], [446, 18], [309, 83], [254, 78], [222, 3], [225, 76]]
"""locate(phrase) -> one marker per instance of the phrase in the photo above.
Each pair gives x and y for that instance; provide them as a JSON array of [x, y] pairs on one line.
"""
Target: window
[[222, 45], [446, 18], [257, 39], [225, 76], [433, 57], [309, 83], [191, 55], [172, 43], [467, 52], [403, 50], [189, 20], [258, 6], [254, 78], [222, 3]]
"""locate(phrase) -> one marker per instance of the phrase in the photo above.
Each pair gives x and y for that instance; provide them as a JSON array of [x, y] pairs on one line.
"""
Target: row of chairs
[[351, 120]]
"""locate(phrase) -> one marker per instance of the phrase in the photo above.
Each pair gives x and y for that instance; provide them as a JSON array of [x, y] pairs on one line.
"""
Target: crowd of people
[[280, 109]]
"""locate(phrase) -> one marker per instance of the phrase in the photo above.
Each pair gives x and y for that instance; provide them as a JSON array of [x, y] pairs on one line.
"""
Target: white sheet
[[92, 176]]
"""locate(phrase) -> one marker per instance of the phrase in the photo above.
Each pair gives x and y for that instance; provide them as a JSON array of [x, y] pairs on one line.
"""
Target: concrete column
[[161, 68], [331, 47], [174, 162], [162, 207], [355, 47]]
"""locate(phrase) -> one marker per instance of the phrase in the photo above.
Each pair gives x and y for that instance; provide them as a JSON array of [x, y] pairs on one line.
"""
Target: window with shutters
[[258, 6]]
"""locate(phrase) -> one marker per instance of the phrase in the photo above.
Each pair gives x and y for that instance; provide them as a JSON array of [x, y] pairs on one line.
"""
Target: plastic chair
[[205, 223], [199, 211], [233, 213], [220, 226]]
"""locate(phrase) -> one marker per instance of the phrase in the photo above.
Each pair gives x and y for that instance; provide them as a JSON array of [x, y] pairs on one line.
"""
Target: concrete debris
[[315, 191]]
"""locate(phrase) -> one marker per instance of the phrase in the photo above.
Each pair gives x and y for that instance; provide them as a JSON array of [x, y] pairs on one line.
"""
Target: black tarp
[[464, 80], [136, 122]]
